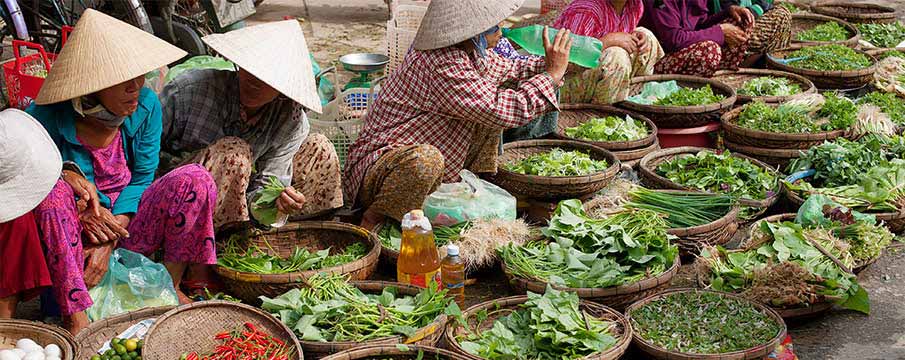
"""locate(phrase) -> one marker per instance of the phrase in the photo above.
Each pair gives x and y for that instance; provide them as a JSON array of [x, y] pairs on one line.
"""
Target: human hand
[[123, 220], [557, 53], [742, 15], [102, 228], [641, 42], [734, 35], [97, 260], [85, 190], [620, 39], [290, 201]]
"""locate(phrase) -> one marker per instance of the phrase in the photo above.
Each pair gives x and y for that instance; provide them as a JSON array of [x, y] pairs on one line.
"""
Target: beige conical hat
[[102, 52], [277, 54], [449, 22]]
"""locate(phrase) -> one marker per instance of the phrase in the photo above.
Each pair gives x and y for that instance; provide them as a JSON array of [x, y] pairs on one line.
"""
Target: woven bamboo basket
[[167, 339], [92, 338], [856, 13], [396, 352], [894, 221], [737, 79], [848, 79], [501, 307], [11, 330], [648, 171], [313, 235], [674, 117], [658, 352], [553, 188], [778, 158], [432, 333], [631, 158], [803, 22], [750, 137], [572, 115]]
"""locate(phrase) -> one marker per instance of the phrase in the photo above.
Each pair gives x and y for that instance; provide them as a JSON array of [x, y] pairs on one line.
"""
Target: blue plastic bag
[[132, 282]]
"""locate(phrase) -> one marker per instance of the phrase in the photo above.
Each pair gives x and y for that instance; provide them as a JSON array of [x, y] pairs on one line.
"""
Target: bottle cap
[[452, 250], [415, 218]]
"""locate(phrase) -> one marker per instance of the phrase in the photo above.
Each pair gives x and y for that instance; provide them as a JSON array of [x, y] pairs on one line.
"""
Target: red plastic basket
[[22, 73]]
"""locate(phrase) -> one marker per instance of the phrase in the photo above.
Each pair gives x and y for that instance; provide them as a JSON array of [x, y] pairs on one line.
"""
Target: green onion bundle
[[682, 208]]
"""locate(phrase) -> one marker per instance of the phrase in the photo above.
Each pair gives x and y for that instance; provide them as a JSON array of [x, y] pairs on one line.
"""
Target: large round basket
[[432, 333], [675, 117], [894, 221], [856, 13], [658, 352], [313, 235], [92, 338], [803, 22], [572, 115], [777, 158], [771, 140], [552, 188], [192, 328], [648, 171], [501, 307], [400, 352], [12, 330], [737, 80], [631, 158], [847, 79]]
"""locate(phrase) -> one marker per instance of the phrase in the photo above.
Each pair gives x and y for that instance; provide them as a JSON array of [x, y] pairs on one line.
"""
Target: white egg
[[35, 355], [9, 355], [52, 351], [20, 353], [28, 345]]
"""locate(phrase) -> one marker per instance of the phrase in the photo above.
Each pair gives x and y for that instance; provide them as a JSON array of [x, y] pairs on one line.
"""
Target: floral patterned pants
[[400, 180], [702, 59]]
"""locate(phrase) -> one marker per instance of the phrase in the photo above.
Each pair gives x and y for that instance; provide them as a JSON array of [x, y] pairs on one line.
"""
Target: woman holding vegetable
[[107, 128], [444, 109], [772, 27]]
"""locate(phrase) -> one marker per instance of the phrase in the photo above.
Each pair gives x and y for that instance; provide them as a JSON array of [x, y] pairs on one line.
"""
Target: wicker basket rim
[[762, 151], [852, 29], [820, 73], [647, 140], [729, 122], [365, 351], [26, 325], [717, 86], [615, 164], [643, 284], [104, 324], [808, 84], [826, 8]]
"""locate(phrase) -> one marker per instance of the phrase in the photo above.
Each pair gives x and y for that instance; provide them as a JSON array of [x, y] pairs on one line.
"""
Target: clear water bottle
[[585, 49]]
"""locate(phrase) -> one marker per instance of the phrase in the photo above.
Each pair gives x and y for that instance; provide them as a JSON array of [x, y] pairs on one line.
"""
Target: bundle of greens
[[829, 58], [558, 163], [720, 173], [840, 162], [889, 103], [682, 208], [256, 260], [264, 208], [769, 86], [882, 189], [548, 326], [784, 118], [390, 234], [331, 309], [594, 253], [891, 53], [883, 35], [610, 128], [838, 110], [703, 323], [828, 31], [690, 97]]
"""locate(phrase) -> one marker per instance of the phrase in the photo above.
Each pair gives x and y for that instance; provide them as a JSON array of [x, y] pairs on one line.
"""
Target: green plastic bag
[[132, 282], [653, 90], [811, 212], [199, 62]]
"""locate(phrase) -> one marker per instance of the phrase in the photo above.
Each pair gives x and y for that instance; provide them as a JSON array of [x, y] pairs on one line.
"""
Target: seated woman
[[234, 123], [107, 127], [445, 108], [772, 29]]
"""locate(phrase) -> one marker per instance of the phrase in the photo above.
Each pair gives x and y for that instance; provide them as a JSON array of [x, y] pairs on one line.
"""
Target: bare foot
[[76, 322], [370, 219]]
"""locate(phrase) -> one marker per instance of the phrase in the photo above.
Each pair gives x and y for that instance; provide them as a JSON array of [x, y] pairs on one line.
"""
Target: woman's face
[[122, 99], [493, 39], [254, 93]]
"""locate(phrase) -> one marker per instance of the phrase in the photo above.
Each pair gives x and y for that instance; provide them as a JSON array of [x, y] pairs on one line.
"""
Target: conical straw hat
[[449, 22], [102, 52], [275, 53]]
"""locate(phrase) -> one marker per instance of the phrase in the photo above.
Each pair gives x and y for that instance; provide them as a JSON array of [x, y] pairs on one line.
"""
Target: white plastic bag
[[470, 199]]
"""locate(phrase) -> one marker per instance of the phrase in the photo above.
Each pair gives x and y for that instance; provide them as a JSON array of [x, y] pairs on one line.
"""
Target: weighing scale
[[364, 65]]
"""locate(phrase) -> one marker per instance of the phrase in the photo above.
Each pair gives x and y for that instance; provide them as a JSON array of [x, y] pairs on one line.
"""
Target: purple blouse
[[111, 172], [680, 23]]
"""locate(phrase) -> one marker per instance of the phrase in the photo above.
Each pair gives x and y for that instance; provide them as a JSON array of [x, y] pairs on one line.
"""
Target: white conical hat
[[449, 22], [277, 54], [102, 52], [30, 163]]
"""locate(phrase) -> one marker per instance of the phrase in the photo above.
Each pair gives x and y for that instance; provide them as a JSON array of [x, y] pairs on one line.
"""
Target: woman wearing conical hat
[[445, 108], [107, 127], [253, 120]]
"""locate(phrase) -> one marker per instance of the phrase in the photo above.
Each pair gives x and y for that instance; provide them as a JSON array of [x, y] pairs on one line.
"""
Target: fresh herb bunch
[[785, 118], [558, 163], [255, 260], [883, 35], [769, 86], [831, 57], [828, 31], [703, 323], [264, 208], [841, 112], [548, 326], [791, 7], [888, 103], [682, 208], [390, 234], [691, 97], [720, 173], [610, 128], [331, 309], [840, 162]]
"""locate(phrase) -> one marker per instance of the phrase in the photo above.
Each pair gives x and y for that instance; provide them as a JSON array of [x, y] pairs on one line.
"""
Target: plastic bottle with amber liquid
[[452, 274], [419, 261]]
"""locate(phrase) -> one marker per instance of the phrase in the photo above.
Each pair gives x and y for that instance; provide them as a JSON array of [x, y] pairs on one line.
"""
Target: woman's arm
[[146, 147]]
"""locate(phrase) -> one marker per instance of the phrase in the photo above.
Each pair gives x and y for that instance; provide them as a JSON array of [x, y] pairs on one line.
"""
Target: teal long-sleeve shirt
[[141, 141]]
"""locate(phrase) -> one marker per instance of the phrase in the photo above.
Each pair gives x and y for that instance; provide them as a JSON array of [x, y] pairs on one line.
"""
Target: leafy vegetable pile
[[889, 103], [769, 86], [255, 260], [891, 53], [549, 326], [594, 253], [791, 7], [840, 162], [558, 163], [703, 323], [828, 31], [264, 208], [794, 117], [610, 128], [331, 309], [690, 97], [882, 189], [720, 173], [883, 35], [829, 58], [682, 209]]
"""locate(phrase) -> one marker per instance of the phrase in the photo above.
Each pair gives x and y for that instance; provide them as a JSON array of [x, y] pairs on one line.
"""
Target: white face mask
[[97, 111]]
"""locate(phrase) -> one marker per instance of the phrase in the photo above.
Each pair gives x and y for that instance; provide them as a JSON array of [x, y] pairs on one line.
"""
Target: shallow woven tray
[[858, 13], [804, 21], [771, 140], [11, 330], [552, 188], [674, 117], [894, 221], [500, 307], [572, 115], [737, 79], [433, 332], [381, 352], [849, 79], [314, 235], [758, 352], [631, 158], [193, 327], [778, 158], [92, 338]]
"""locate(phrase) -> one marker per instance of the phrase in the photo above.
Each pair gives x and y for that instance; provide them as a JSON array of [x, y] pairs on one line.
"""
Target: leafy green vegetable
[[791, 7], [829, 58], [610, 128], [255, 260], [703, 323], [720, 173], [549, 326], [690, 97], [882, 189], [786, 118], [682, 208], [558, 163], [769, 86], [390, 234], [839, 110], [891, 53], [828, 31], [888, 103], [883, 35], [840, 162], [264, 208]]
